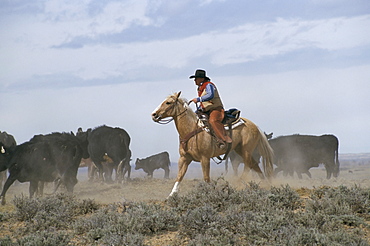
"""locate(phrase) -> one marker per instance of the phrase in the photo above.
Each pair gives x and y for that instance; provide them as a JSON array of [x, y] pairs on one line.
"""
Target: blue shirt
[[210, 94]]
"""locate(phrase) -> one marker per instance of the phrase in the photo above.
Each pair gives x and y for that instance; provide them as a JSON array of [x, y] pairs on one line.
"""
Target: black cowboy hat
[[199, 73]]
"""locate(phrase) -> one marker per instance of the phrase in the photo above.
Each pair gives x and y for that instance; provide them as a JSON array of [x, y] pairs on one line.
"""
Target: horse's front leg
[[206, 167], [183, 167]]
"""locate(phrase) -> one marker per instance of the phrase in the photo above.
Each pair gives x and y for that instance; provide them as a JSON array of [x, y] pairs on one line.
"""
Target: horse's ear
[[178, 94]]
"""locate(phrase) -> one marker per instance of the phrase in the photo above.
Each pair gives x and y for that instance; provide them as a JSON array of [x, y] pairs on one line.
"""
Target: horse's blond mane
[[183, 100]]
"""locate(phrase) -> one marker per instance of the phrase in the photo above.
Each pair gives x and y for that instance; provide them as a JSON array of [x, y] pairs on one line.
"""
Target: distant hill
[[354, 159]]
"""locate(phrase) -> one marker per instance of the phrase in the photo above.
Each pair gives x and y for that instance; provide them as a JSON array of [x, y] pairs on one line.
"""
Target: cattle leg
[[277, 170], [91, 171], [308, 174], [123, 168], [40, 188], [33, 187], [299, 174], [9, 181], [183, 167], [127, 170], [57, 183], [150, 174], [328, 174], [100, 170], [108, 171], [329, 166], [2, 178], [166, 173]]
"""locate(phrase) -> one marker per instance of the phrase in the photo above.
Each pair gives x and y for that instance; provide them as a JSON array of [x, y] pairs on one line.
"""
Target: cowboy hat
[[199, 73]]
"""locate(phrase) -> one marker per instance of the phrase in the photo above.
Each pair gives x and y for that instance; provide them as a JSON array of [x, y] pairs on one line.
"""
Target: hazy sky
[[290, 66]]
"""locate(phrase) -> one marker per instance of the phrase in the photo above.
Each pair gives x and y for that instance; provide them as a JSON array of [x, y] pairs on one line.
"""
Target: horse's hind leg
[[247, 159], [249, 164], [257, 169]]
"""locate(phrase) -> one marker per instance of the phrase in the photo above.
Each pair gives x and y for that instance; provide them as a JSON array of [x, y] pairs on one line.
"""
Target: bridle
[[166, 121]]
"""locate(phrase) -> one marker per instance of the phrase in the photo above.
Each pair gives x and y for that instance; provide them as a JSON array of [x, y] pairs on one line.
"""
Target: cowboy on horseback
[[210, 104]]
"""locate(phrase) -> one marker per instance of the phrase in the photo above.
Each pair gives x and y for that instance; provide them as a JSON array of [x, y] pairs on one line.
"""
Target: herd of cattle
[[56, 157]]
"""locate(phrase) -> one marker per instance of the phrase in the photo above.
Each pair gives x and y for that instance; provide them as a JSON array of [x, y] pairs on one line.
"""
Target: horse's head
[[168, 108]]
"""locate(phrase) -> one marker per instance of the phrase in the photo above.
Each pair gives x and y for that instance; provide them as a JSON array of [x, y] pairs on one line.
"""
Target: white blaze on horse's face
[[2, 150], [155, 116]]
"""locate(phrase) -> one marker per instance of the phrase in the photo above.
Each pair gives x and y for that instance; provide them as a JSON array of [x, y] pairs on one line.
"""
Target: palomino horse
[[201, 146]]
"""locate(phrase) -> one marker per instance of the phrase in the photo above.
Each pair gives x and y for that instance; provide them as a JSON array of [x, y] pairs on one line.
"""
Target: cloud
[[75, 40]]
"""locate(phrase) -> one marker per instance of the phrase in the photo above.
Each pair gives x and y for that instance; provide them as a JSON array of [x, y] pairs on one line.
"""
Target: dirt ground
[[141, 188]]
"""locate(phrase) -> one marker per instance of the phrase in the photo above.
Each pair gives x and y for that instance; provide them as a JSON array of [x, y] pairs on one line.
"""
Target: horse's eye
[[168, 103]]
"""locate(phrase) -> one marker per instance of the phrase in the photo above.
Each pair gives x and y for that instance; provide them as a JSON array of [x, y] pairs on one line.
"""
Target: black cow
[[298, 153], [55, 140], [110, 146], [49, 158], [151, 163], [236, 159], [7, 141]]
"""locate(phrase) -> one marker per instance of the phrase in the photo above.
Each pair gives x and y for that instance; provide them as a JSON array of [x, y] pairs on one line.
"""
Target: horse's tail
[[267, 154]]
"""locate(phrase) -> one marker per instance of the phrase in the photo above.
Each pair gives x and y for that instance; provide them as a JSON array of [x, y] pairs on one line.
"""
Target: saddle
[[231, 116]]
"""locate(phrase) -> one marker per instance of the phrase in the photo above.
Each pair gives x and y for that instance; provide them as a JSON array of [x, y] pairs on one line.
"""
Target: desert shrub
[[216, 193], [215, 240], [138, 220], [3, 216], [99, 220], [56, 212], [318, 220], [150, 218], [26, 208], [205, 226], [44, 213], [284, 197], [199, 220], [302, 236], [127, 239], [6, 241], [87, 206], [340, 204], [45, 238], [210, 214], [355, 198]]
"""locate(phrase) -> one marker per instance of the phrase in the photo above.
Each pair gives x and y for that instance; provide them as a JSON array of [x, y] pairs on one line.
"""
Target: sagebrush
[[211, 214]]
